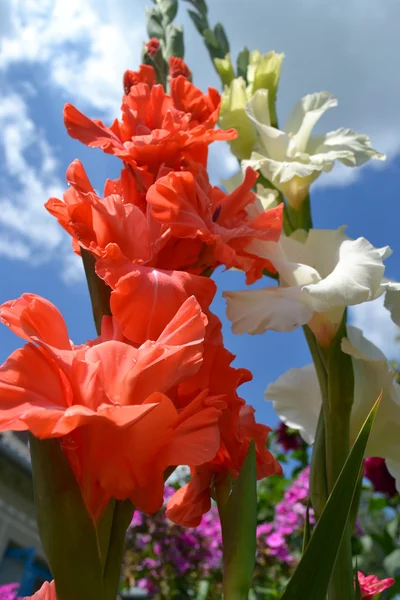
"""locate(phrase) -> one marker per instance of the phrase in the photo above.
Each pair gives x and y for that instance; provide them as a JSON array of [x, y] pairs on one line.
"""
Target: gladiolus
[[292, 159], [319, 277], [296, 397], [108, 401]]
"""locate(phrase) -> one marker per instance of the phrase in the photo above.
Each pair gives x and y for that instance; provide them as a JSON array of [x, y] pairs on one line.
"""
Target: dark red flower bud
[[288, 438], [376, 471]]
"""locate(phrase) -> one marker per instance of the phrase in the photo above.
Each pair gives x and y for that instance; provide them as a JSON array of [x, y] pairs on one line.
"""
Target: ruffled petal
[[296, 398], [304, 116], [392, 299], [33, 316], [351, 148], [356, 277], [145, 299], [276, 308]]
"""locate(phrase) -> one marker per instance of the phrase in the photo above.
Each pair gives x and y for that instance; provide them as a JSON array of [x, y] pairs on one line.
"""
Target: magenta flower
[[370, 585]]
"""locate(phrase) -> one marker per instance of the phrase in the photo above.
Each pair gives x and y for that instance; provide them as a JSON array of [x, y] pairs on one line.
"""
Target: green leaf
[[239, 522], [312, 576], [307, 527], [175, 45], [67, 532], [358, 595], [155, 27], [123, 513], [199, 21], [242, 62], [222, 40], [168, 8], [200, 5], [212, 44]]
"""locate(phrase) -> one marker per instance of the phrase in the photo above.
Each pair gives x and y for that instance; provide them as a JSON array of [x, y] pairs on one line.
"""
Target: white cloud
[[27, 231], [221, 162], [73, 271], [85, 46], [374, 320]]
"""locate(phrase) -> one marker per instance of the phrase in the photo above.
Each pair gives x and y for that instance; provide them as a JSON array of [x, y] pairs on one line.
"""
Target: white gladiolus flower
[[292, 159], [297, 399], [319, 277]]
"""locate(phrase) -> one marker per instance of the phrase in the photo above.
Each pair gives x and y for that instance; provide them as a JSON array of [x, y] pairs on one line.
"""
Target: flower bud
[[225, 69]]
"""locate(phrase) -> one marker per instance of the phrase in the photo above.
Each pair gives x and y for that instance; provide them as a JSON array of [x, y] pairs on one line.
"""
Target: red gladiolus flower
[[370, 585], [146, 74], [376, 471], [188, 207], [154, 294], [94, 222], [152, 46], [177, 67], [153, 132], [46, 592], [110, 403], [137, 290], [203, 108], [182, 223]]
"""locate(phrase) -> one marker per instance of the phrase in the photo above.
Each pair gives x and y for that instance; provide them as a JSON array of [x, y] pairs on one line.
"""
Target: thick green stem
[[300, 218], [99, 291], [122, 517], [318, 476], [337, 449], [337, 429], [318, 482], [332, 443]]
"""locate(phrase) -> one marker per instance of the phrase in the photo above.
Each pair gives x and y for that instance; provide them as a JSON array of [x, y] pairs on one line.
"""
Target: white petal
[[275, 308], [267, 197], [281, 171], [295, 247], [274, 141], [356, 147], [393, 466], [257, 108], [296, 399], [373, 375], [356, 278], [322, 248], [292, 273], [392, 300], [360, 347], [305, 115]]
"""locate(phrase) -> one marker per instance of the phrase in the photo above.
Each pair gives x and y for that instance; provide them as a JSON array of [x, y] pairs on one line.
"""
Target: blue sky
[[57, 51]]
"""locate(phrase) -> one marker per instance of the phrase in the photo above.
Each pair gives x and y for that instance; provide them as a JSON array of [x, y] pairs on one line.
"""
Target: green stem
[[300, 218], [122, 517], [318, 482], [332, 443], [340, 394], [99, 291], [318, 476]]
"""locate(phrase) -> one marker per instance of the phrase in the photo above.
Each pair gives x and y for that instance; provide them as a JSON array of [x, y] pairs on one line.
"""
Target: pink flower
[[370, 585], [46, 592]]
